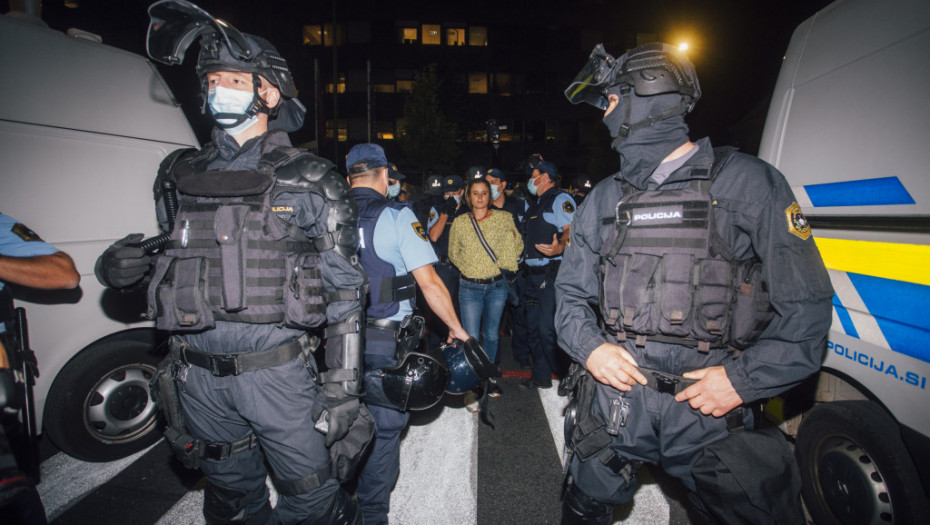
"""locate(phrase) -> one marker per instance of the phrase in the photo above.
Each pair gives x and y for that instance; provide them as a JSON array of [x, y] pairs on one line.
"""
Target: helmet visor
[[596, 75], [174, 26]]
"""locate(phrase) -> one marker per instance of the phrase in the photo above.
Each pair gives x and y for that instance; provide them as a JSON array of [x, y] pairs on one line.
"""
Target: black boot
[[580, 509]]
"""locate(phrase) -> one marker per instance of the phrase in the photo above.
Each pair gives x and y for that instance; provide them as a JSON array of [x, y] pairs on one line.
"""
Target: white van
[[849, 126], [83, 128]]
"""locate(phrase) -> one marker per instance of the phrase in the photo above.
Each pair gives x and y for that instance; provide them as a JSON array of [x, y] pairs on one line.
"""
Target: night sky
[[736, 45]]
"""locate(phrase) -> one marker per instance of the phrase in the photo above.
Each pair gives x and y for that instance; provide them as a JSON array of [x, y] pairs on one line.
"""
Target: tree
[[428, 137]]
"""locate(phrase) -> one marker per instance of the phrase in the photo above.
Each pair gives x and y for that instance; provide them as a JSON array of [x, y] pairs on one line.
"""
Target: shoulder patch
[[25, 233], [797, 223], [420, 230], [567, 207], [432, 216]]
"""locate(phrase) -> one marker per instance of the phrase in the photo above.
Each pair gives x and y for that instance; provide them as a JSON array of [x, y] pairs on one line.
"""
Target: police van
[[849, 126], [83, 128]]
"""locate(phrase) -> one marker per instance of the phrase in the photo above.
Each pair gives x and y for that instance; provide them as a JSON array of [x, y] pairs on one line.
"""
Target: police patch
[[25, 233], [797, 223], [421, 231], [567, 207], [432, 215]]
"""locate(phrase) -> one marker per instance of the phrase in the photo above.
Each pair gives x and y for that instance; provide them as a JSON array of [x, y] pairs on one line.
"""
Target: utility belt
[[536, 270], [189, 450], [407, 333], [221, 365]]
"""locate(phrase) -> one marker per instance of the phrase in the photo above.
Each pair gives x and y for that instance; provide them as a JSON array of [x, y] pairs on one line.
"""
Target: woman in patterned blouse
[[482, 288]]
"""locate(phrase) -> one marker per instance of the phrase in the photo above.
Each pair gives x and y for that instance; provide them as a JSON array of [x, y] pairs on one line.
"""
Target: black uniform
[[754, 210]]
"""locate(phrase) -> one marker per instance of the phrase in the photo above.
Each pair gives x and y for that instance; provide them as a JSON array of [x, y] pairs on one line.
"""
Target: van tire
[[99, 408], [855, 468]]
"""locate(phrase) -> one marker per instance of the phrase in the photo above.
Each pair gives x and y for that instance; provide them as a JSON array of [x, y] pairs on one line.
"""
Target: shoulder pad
[[308, 173], [166, 168]]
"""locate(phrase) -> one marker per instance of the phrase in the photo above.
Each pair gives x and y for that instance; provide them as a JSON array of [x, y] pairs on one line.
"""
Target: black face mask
[[643, 149]]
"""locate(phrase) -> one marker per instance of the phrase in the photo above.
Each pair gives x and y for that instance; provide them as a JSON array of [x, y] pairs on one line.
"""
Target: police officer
[[441, 217], [397, 257], [581, 186], [261, 250], [546, 223], [656, 247], [25, 260]]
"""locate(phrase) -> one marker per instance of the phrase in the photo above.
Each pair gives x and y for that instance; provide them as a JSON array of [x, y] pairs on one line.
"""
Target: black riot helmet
[[417, 383], [174, 26], [644, 71]]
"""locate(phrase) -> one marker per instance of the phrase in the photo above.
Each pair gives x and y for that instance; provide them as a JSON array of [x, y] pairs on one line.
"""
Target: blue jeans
[[482, 306]]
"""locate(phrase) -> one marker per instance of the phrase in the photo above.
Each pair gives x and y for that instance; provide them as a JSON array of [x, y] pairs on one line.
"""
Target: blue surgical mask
[[495, 192], [393, 190], [458, 199], [231, 101], [531, 186]]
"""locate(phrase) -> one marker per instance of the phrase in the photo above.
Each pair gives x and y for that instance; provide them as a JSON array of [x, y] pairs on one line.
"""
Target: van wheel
[[854, 467], [99, 408]]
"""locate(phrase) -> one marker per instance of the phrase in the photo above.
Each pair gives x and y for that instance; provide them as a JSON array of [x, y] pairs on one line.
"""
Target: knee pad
[[342, 509], [227, 506], [580, 509]]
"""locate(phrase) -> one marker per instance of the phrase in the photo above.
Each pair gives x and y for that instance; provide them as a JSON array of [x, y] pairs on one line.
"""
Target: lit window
[[478, 83], [404, 86], [455, 36], [341, 85], [316, 35], [384, 88], [478, 36], [432, 35], [343, 130], [313, 36], [385, 130], [502, 84], [408, 35]]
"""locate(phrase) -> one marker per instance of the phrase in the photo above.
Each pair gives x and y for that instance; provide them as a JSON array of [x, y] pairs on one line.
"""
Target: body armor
[[667, 275], [536, 229], [386, 288], [230, 258]]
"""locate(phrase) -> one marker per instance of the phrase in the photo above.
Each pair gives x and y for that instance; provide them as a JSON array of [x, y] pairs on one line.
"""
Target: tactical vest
[[536, 229], [386, 288], [229, 257], [667, 275]]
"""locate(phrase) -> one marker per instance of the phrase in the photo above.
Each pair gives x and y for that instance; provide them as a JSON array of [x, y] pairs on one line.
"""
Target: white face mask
[[393, 190], [495, 192], [231, 101]]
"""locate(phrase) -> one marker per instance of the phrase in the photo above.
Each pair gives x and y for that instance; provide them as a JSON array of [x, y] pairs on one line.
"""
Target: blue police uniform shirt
[[16, 240], [399, 243], [560, 217]]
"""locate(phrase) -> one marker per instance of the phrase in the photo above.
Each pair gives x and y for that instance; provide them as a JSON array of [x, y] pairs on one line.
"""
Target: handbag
[[513, 296]]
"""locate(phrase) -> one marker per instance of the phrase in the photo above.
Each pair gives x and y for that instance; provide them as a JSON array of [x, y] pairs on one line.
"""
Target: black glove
[[123, 264], [448, 206], [341, 410]]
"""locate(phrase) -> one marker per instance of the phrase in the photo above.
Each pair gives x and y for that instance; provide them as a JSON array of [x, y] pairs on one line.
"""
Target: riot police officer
[[711, 294], [397, 257], [546, 226], [261, 250]]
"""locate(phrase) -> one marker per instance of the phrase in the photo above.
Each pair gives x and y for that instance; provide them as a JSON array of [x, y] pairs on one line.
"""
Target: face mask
[[495, 192], [393, 190], [457, 199], [531, 186], [231, 101]]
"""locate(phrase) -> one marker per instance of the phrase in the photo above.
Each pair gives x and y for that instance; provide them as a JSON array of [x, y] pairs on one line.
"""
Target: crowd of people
[[281, 253]]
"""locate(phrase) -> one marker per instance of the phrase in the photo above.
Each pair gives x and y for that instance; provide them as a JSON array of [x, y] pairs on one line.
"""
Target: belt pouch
[[231, 224]]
